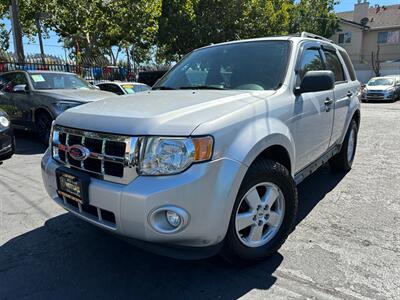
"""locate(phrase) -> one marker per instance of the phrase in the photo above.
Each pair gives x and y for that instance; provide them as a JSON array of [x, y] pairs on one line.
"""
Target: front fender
[[244, 141], [257, 136]]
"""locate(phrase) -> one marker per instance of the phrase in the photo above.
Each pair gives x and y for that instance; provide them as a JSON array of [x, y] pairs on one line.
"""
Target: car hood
[[76, 95], [378, 87], [158, 112]]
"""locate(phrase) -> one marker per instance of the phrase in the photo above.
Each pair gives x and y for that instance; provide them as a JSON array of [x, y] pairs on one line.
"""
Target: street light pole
[[17, 32]]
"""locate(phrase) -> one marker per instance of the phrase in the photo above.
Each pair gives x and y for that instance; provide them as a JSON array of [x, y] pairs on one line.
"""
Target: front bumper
[[206, 191], [377, 96], [7, 144]]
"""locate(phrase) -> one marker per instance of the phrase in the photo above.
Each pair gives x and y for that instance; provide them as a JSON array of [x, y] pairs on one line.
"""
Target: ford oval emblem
[[78, 152]]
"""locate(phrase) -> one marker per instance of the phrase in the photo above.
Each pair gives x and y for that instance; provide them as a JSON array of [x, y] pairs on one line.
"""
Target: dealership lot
[[346, 244]]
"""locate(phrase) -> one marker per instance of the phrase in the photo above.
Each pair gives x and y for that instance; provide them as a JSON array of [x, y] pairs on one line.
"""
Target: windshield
[[380, 81], [131, 88], [64, 81], [259, 65]]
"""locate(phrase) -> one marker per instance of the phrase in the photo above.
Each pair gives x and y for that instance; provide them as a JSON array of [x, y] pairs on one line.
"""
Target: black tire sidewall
[[279, 176], [353, 125], [43, 138]]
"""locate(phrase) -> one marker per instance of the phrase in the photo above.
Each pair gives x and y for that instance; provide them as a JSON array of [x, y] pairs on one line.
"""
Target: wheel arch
[[42, 109], [276, 147], [357, 117]]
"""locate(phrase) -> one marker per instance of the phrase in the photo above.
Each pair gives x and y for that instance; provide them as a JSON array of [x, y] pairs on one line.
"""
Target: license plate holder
[[73, 185]]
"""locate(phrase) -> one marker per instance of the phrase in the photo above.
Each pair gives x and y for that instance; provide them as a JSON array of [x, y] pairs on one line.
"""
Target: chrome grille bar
[[127, 161]]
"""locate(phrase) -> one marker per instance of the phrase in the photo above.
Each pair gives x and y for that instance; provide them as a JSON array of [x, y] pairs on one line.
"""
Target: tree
[[315, 16], [188, 24], [375, 61], [263, 18], [176, 23], [98, 27]]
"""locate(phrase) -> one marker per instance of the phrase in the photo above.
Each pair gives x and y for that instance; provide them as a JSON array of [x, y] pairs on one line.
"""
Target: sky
[[54, 47]]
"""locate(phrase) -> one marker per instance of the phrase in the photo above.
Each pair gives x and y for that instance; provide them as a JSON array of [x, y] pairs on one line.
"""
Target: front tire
[[343, 161], [43, 126], [263, 215]]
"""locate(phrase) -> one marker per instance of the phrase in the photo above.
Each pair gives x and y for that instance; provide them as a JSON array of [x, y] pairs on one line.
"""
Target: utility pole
[[17, 32], [39, 29]]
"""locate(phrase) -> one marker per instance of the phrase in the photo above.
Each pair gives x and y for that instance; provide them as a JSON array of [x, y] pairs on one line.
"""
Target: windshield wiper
[[163, 87], [202, 87]]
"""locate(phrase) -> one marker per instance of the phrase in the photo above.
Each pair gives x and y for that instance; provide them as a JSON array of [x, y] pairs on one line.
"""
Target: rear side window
[[333, 64], [349, 65], [311, 61]]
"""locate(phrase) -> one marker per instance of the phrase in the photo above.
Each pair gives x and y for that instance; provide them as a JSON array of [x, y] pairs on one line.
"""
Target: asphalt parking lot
[[346, 244]]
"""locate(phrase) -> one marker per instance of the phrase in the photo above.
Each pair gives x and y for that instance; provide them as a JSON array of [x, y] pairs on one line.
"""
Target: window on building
[[382, 37], [345, 38], [389, 37]]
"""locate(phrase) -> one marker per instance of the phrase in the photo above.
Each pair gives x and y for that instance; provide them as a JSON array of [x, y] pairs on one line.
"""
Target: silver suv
[[209, 159]]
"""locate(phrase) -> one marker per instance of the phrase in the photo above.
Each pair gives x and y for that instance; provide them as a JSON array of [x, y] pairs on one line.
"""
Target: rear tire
[[343, 161], [43, 122], [271, 220]]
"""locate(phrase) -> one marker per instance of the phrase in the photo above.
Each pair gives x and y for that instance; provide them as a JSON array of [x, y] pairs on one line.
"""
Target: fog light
[[173, 218]]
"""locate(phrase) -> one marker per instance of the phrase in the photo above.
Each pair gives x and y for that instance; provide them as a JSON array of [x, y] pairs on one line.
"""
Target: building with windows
[[364, 30]]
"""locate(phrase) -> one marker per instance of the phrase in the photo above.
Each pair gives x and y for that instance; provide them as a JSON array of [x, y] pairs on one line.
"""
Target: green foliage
[[4, 38], [108, 27], [188, 24], [315, 16]]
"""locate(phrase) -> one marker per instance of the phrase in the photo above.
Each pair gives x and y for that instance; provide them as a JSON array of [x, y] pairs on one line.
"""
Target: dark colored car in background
[[7, 139], [33, 99]]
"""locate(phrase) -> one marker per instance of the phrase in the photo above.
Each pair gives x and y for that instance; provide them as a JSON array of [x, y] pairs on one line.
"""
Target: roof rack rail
[[314, 36]]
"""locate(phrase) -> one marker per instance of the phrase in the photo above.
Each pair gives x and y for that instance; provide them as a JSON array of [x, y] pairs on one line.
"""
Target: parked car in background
[[212, 166], [33, 99], [7, 139], [385, 88], [123, 88]]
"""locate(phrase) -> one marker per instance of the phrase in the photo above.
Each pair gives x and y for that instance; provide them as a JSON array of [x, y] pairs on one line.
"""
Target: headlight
[[64, 105], [172, 155], [390, 90], [4, 122]]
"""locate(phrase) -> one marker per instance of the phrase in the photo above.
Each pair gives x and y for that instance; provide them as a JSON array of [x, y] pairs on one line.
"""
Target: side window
[[9, 82], [115, 89], [311, 61], [349, 65], [19, 79], [3, 82], [333, 64], [102, 87], [13, 79]]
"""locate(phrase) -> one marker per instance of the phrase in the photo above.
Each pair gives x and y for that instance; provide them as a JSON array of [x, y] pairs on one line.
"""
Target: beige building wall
[[355, 48], [387, 51]]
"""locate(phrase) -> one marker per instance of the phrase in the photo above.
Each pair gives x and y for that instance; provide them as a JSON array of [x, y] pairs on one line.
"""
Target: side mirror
[[316, 81], [20, 88]]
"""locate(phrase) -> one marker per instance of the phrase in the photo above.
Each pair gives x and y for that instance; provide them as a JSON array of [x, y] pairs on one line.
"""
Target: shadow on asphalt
[[28, 143], [70, 259]]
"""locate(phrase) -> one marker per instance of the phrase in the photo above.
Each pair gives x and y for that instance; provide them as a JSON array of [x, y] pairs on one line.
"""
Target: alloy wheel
[[260, 214]]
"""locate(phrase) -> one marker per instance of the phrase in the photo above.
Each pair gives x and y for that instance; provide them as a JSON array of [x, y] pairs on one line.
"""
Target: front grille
[[94, 213], [110, 157], [375, 96]]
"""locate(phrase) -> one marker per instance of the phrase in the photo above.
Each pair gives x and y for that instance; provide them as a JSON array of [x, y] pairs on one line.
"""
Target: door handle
[[349, 94], [328, 101]]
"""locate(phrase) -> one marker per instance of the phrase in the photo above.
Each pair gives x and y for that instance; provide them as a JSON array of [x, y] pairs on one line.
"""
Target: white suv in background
[[208, 160]]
